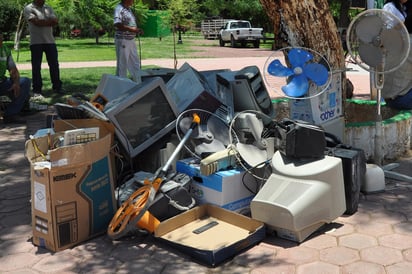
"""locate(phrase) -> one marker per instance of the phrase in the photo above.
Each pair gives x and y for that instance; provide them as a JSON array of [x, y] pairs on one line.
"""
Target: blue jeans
[[17, 103], [52, 60], [403, 102]]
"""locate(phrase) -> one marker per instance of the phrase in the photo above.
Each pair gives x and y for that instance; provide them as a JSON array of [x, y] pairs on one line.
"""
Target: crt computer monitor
[[142, 115], [112, 86]]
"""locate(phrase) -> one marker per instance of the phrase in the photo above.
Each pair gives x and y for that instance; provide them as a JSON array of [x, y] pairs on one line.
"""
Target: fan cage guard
[[352, 40], [275, 83]]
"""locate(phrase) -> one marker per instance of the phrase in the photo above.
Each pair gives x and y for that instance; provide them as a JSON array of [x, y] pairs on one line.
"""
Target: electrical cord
[[140, 51]]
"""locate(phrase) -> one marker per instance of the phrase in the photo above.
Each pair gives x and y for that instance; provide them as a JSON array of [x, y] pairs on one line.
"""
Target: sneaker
[[13, 119], [38, 96]]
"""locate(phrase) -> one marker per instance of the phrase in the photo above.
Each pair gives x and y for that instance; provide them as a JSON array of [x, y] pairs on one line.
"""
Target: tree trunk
[[307, 24]]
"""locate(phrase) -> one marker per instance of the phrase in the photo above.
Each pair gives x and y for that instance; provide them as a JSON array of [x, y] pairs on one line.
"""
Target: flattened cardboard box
[[211, 234], [72, 194]]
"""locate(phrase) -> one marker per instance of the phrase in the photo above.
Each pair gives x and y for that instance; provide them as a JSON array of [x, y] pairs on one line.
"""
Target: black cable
[[140, 51]]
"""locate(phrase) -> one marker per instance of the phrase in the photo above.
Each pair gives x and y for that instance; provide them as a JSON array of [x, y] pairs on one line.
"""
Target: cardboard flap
[[81, 153]]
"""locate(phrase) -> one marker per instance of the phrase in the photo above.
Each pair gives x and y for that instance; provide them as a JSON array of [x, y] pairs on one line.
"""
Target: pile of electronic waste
[[197, 154]]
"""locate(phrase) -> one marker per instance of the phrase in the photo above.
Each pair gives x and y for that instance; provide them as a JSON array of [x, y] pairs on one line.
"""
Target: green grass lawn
[[85, 80], [78, 50]]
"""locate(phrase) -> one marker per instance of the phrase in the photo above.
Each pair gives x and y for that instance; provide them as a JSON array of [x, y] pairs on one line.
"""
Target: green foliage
[[9, 15], [182, 12], [92, 16]]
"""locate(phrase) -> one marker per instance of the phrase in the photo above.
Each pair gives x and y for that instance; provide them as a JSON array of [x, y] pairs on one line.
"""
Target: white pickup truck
[[240, 31]]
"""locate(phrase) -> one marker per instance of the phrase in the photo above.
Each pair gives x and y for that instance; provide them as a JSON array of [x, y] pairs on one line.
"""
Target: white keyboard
[[80, 135]]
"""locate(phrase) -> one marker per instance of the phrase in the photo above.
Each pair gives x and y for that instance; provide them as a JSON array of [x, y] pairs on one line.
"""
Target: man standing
[[16, 88], [41, 20], [126, 30]]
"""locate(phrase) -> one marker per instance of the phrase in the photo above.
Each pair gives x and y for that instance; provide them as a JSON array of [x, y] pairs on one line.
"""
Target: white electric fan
[[379, 43], [210, 136]]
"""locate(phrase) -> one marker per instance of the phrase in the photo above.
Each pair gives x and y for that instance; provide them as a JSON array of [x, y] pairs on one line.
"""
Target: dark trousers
[[52, 60]]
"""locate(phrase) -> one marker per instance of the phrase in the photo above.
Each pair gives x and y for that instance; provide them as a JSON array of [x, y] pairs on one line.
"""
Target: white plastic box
[[322, 108], [224, 188]]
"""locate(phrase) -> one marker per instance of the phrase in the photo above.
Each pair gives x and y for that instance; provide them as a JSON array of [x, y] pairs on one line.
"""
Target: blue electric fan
[[297, 72]]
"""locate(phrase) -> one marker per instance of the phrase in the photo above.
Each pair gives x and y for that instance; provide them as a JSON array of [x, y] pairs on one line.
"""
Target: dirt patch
[[366, 112]]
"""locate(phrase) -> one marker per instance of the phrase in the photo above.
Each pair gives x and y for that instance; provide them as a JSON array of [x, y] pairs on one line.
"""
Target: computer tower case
[[248, 90], [354, 172], [255, 83]]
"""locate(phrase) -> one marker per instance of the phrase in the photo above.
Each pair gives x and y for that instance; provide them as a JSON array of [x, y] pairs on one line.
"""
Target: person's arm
[[14, 76], [50, 22], [122, 27]]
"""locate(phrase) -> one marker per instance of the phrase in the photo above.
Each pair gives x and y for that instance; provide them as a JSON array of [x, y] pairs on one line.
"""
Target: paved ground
[[376, 239]]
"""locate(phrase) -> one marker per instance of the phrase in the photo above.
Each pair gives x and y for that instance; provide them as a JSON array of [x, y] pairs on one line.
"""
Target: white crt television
[[300, 197], [142, 115]]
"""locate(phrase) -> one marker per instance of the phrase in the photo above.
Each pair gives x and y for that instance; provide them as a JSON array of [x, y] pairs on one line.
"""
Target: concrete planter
[[360, 128]]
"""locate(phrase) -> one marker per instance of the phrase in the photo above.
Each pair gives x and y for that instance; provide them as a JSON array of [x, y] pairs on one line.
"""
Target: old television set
[[112, 86], [142, 115]]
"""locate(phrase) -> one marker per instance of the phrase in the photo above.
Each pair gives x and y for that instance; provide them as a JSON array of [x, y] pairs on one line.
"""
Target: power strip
[[218, 161], [80, 135]]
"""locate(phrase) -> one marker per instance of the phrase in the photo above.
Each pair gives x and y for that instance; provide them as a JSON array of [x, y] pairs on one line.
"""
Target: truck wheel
[[256, 44], [232, 42], [221, 42]]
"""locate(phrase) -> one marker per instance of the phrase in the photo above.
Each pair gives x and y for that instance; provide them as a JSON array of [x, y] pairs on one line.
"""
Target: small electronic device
[[142, 115], [80, 135], [99, 101]]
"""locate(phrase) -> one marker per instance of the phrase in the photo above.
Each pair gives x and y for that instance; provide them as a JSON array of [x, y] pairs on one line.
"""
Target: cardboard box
[[211, 234], [73, 191], [224, 188], [322, 108]]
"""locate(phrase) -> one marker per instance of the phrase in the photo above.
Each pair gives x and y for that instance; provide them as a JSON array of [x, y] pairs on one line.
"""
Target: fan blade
[[219, 129], [370, 55], [393, 45], [251, 154], [206, 148], [185, 123], [297, 87], [276, 68], [317, 73], [368, 28], [298, 57], [392, 40]]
